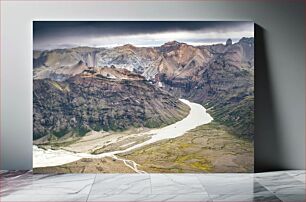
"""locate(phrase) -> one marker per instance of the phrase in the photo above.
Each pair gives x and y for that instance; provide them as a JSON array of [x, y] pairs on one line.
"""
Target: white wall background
[[280, 143]]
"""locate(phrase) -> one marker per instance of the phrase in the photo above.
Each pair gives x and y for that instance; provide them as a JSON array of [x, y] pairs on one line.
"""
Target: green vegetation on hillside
[[207, 148]]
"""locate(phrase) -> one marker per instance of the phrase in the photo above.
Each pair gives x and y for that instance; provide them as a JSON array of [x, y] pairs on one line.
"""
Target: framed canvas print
[[143, 96]]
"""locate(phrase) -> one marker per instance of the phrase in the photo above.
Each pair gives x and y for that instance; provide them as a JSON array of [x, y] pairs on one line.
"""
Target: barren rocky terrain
[[97, 100], [91, 101], [221, 77]]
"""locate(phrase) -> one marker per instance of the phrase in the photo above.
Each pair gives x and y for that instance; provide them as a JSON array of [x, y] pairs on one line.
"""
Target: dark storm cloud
[[60, 28], [45, 32]]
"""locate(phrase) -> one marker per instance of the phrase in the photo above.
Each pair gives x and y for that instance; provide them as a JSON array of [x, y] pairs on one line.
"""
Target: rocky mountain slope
[[221, 77], [224, 84], [101, 98]]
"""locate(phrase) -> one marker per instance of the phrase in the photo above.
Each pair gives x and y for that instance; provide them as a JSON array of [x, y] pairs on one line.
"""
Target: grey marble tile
[[50, 184], [176, 184], [291, 197], [43, 198], [150, 198], [220, 184], [245, 198], [287, 186], [12, 176], [261, 192], [112, 184], [259, 189], [282, 183], [295, 171], [272, 173], [275, 175], [266, 198], [178, 198], [298, 175], [287, 189], [15, 180], [230, 197], [281, 175]]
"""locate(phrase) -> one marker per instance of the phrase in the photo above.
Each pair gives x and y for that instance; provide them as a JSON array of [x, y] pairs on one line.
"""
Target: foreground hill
[[101, 98]]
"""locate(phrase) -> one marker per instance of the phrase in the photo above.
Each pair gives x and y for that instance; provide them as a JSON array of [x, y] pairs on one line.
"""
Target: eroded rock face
[[229, 42], [225, 85], [91, 101], [221, 77]]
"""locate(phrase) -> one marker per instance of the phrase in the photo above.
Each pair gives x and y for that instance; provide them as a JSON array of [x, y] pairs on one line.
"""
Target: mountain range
[[84, 88]]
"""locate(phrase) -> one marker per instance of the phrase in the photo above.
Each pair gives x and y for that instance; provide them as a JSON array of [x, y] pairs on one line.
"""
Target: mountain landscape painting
[[143, 96]]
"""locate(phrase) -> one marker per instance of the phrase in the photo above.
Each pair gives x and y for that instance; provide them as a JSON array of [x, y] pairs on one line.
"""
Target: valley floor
[[207, 148], [192, 145]]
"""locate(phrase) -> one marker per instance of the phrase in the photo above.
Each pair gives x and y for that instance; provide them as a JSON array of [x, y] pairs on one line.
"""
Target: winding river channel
[[196, 117]]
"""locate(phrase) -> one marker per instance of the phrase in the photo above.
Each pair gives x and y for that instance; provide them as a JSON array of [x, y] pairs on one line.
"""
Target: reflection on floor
[[273, 186]]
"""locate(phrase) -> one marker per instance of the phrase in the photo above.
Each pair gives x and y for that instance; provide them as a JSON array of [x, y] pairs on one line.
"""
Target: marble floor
[[272, 186]]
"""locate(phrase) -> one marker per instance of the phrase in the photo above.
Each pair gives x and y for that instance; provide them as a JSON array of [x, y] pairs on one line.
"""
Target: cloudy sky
[[67, 34]]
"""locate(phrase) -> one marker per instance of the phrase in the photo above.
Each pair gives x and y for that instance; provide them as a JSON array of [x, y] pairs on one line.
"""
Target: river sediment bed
[[193, 144]]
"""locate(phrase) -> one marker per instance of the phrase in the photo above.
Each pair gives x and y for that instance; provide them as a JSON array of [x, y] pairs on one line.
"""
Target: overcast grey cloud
[[66, 34]]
